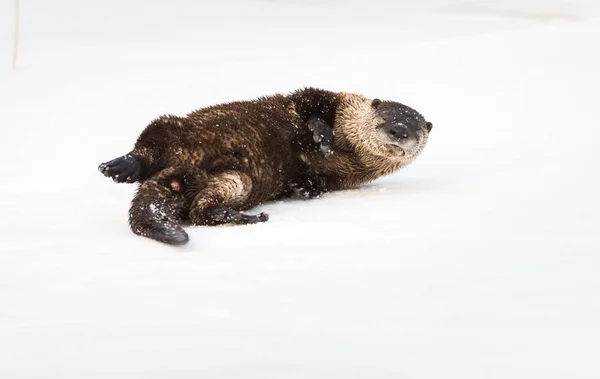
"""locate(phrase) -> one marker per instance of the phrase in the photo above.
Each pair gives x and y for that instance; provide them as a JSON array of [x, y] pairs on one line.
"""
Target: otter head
[[401, 130], [383, 129]]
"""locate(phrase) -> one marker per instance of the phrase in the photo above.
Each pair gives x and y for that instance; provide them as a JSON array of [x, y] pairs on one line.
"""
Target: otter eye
[[375, 103]]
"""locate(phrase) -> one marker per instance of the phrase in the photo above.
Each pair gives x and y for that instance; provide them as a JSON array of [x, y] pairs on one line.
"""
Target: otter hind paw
[[126, 168], [226, 215]]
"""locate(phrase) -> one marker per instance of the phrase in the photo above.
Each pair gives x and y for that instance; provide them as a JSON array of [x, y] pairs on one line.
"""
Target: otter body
[[210, 166], [252, 139]]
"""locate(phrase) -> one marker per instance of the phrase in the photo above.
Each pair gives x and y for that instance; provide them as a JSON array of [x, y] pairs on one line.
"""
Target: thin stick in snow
[[16, 45]]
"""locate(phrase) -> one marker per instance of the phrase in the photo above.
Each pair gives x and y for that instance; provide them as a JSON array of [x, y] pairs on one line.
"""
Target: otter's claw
[[123, 169]]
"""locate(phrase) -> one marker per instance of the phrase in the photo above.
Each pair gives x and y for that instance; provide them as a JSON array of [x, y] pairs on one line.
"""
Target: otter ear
[[375, 103], [429, 126]]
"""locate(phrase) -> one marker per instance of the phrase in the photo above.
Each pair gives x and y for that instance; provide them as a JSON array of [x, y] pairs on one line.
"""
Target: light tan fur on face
[[355, 127], [355, 123]]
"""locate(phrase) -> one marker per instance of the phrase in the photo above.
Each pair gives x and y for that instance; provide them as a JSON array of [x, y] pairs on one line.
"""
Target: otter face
[[376, 129], [401, 131]]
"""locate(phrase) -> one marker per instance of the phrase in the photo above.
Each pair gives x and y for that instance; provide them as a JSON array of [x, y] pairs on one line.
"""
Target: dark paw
[[306, 193], [307, 187], [322, 134], [123, 169], [226, 215]]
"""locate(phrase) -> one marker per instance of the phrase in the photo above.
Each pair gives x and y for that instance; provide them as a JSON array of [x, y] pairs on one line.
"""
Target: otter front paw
[[306, 188], [322, 134], [123, 169]]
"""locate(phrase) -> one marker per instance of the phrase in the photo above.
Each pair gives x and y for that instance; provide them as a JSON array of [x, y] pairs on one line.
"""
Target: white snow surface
[[480, 260]]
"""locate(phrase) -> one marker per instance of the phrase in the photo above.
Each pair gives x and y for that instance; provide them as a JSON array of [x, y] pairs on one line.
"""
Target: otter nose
[[398, 131]]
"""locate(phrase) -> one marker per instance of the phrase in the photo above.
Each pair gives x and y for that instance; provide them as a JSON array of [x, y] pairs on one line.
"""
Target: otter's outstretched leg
[[126, 168], [158, 208], [322, 134], [221, 200]]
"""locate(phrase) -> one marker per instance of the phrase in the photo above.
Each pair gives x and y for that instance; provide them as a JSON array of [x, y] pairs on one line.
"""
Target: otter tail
[[159, 207]]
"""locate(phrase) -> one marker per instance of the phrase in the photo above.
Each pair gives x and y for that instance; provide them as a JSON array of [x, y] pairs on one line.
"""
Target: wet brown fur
[[239, 154]]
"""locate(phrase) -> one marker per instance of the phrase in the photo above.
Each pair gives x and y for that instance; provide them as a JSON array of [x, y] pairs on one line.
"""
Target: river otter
[[210, 166]]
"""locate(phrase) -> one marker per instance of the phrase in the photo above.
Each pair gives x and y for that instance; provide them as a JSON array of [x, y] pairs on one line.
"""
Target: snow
[[480, 260]]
